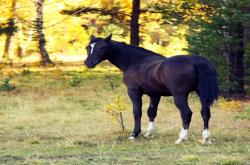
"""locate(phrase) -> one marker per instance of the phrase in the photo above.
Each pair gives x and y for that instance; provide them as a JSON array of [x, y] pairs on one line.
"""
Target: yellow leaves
[[232, 105], [5, 7], [107, 4], [198, 10], [148, 17], [69, 35], [116, 107], [158, 39], [126, 6]]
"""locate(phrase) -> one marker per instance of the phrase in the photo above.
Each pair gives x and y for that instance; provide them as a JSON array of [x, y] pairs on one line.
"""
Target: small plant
[[115, 110], [233, 105], [75, 81], [6, 86]]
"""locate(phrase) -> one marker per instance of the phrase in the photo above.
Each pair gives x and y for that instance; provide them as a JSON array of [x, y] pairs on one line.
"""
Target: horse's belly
[[152, 84], [157, 93], [155, 90]]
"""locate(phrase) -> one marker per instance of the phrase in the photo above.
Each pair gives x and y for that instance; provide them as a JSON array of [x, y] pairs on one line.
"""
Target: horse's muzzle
[[89, 64]]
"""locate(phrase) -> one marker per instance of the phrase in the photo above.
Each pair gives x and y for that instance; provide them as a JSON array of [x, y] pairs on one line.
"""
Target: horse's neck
[[119, 62], [121, 57]]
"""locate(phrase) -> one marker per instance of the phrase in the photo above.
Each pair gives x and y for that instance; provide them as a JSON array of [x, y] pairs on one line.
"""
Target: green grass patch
[[245, 114], [47, 120]]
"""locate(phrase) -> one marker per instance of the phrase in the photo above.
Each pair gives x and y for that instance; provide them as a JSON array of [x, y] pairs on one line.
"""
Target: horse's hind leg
[[152, 112], [205, 113], [186, 115]]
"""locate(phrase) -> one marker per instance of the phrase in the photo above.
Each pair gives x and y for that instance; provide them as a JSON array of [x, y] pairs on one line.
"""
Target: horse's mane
[[136, 49]]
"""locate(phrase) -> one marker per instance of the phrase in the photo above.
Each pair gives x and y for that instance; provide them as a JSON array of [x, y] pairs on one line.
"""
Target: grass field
[[57, 116]]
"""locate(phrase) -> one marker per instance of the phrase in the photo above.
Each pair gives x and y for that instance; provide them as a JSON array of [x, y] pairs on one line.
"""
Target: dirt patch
[[65, 157], [10, 158]]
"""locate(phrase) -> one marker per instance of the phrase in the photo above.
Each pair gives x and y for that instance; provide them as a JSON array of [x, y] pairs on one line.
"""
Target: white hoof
[[151, 127], [206, 137], [183, 136], [147, 135], [206, 141], [131, 138], [178, 141]]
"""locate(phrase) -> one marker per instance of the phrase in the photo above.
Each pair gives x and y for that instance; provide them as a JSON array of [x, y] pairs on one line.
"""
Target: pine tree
[[221, 37]]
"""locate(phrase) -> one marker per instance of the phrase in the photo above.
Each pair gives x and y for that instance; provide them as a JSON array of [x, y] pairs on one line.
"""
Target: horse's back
[[164, 76]]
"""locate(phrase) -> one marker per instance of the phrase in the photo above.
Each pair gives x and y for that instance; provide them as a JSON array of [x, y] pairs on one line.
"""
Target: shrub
[[115, 110], [6, 86], [232, 105]]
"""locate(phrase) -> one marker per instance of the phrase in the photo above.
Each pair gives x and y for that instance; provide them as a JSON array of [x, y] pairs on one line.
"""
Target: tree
[[9, 32], [15, 20], [110, 14], [221, 36], [8, 27], [217, 30], [41, 38], [134, 23], [120, 14]]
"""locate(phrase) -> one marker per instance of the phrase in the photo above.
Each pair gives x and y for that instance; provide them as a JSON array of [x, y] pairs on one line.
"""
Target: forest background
[[54, 31]]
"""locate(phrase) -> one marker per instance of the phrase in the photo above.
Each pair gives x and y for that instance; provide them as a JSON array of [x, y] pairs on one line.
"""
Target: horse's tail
[[207, 86]]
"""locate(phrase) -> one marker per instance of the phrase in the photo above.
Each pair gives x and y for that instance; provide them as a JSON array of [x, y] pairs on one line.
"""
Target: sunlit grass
[[47, 120]]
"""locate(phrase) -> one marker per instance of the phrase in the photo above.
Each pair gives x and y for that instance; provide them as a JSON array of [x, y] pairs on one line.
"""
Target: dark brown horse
[[146, 72]]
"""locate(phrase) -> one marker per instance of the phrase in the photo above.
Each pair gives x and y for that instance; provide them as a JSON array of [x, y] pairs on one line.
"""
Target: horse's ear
[[108, 38], [92, 38]]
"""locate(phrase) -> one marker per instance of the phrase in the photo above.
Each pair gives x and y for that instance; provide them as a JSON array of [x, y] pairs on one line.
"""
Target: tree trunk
[[41, 38], [134, 23], [236, 61], [19, 40], [5, 57], [9, 37]]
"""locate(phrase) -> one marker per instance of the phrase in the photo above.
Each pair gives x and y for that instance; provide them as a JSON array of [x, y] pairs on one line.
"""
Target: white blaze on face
[[92, 47]]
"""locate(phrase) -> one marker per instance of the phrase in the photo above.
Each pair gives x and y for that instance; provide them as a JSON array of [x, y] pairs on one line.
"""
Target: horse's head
[[97, 49]]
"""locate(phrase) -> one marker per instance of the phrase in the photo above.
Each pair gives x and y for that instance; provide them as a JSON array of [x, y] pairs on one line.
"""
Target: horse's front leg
[[152, 112], [135, 95]]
